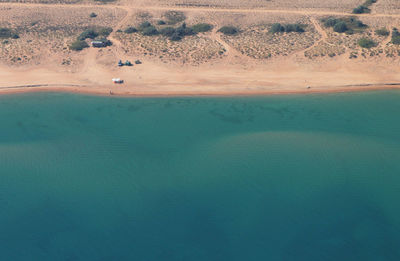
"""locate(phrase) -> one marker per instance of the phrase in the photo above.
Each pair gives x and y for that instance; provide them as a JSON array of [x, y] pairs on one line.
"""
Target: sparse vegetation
[[78, 45], [330, 22], [276, 28], [257, 42], [279, 28], [144, 25], [150, 30], [167, 31], [229, 30], [364, 8], [340, 27], [175, 37], [130, 30], [361, 10], [298, 28], [93, 33], [395, 36], [88, 34], [45, 31], [174, 34], [146, 28], [347, 25], [183, 30], [201, 28], [382, 32], [179, 32], [366, 43], [174, 17], [254, 35], [105, 31], [99, 34], [8, 33]]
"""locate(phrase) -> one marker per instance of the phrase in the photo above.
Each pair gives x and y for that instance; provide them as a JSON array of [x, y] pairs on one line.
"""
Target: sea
[[311, 177]]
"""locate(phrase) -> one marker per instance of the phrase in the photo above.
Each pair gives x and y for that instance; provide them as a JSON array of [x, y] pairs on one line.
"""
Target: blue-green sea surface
[[280, 178]]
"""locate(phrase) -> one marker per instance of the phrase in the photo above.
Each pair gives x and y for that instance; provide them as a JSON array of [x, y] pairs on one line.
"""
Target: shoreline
[[110, 91]]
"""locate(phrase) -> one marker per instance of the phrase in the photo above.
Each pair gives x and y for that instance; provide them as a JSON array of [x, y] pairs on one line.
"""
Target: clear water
[[314, 177]]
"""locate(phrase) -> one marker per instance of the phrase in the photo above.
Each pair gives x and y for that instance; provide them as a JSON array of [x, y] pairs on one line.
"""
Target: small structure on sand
[[117, 80], [99, 44], [127, 63]]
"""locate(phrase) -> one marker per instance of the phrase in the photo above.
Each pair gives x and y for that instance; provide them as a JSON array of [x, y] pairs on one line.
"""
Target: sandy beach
[[147, 79]]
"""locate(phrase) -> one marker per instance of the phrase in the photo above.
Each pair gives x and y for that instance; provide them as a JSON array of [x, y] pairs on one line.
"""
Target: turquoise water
[[313, 177]]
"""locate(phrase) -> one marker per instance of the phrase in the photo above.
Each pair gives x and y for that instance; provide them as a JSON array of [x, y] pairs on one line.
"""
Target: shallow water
[[313, 177]]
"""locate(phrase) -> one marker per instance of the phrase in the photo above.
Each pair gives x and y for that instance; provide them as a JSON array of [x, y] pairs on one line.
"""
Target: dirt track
[[128, 8]]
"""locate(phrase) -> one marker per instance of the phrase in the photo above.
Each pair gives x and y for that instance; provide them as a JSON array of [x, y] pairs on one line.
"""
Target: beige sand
[[151, 79]]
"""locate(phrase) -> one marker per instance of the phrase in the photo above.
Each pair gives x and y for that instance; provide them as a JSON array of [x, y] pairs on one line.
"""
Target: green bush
[[201, 28], [176, 34], [348, 25], [78, 45], [105, 31], [382, 32], [395, 36], [366, 43], [5, 33], [144, 25], [8, 33], [331, 22], [357, 23], [294, 28], [229, 30], [149, 31], [361, 10], [167, 31], [183, 30], [340, 27], [90, 33], [130, 30], [276, 28], [370, 2], [174, 17]]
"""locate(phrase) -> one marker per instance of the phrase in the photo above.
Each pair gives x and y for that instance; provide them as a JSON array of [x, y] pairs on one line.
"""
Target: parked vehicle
[[117, 81]]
